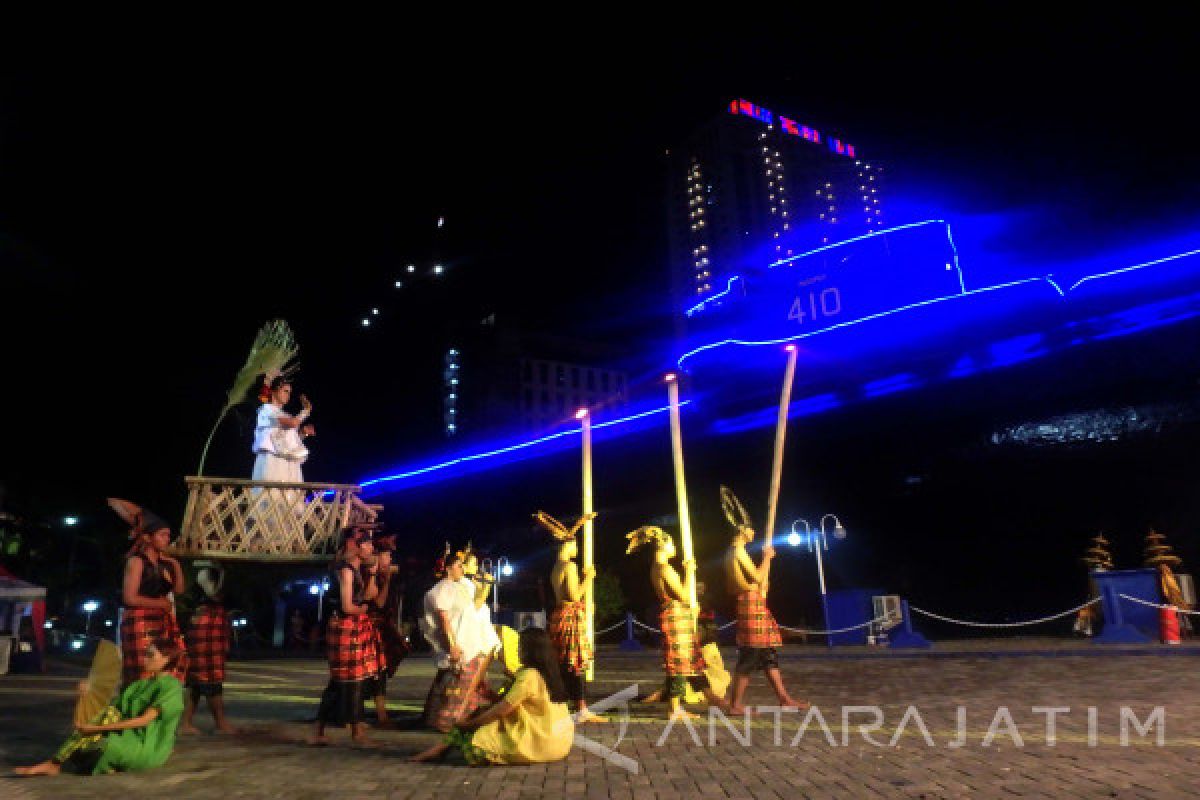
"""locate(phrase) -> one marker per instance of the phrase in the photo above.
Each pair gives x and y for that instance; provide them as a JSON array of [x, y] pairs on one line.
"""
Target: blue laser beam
[[512, 448]]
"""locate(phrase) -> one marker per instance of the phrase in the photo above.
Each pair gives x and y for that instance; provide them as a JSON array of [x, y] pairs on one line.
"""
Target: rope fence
[[1142, 602], [1038, 621]]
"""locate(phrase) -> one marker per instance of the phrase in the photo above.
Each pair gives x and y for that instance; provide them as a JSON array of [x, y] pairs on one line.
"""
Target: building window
[[560, 376]]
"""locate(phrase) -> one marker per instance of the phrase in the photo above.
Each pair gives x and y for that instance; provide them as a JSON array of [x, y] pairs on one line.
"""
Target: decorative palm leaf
[[273, 348], [102, 683]]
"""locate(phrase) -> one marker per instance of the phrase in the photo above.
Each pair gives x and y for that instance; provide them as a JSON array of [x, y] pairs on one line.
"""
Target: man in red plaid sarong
[[568, 621], [758, 636], [208, 639], [682, 661]]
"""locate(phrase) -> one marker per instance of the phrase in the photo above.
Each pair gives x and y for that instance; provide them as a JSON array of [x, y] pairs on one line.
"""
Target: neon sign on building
[[789, 126]]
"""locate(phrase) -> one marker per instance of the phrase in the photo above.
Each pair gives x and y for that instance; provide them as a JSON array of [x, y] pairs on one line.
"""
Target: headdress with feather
[[557, 529], [645, 535], [439, 566], [273, 348], [735, 512], [140, 520]]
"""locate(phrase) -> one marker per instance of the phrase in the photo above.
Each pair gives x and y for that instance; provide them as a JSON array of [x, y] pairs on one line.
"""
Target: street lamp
[[810, 537], [89, 607], [70, 522], [503, 569]]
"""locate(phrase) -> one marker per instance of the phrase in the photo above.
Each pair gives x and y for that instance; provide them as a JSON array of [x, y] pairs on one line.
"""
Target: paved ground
[[272, 699]]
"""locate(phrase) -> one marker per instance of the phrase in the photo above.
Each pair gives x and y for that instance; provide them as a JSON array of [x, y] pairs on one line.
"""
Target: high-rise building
[[750, 187]]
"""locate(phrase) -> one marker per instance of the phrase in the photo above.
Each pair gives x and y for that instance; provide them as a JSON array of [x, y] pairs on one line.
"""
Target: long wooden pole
[[685, 520], [785, 400], [588, 537]]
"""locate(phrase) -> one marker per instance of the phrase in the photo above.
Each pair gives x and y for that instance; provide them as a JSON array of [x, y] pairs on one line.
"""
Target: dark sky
[[161, 197]]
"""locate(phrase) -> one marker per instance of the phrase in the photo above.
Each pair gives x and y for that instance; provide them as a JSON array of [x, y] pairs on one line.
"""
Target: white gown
[[278, 452]]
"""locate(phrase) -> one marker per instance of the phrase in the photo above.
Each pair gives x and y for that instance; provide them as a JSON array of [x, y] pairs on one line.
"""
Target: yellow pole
[[785, 400], [588, 537], [685, 520]]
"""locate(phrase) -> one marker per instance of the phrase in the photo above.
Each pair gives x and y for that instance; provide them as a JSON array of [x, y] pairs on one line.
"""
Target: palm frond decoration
[[273, 348]]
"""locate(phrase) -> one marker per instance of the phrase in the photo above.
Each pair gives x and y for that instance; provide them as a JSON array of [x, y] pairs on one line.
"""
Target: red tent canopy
[[15, 590]]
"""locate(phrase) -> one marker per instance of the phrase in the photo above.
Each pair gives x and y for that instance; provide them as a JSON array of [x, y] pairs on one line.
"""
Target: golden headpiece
[[470, 561], [735, 512], [645, 535], [557, 529]]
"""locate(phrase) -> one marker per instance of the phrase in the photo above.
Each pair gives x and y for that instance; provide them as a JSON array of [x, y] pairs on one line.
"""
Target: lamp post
[[810, 537], [88, 608], [504, 569]]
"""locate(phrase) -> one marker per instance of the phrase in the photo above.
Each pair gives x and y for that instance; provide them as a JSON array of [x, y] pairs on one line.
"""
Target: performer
[[135, 733], [278, 436], [682, 660], [208, 639], [758, 636], [714, 664], [463, 642], [531, 725], [348, 639], [388, 645], [148, 612], [568, 621]]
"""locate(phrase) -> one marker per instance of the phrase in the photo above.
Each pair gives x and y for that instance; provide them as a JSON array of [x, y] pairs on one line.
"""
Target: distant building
[[752, 186], [499, 379]]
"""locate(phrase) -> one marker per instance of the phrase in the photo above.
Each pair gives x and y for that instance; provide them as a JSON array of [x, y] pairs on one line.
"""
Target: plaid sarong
[[347, 644], [208, 644], [374, 648], [139, 628], [456, 695], [568, 629], [755, 625], [681, 646]]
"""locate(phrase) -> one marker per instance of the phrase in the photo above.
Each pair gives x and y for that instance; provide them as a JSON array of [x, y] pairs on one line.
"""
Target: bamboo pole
[[685, 520], [588, 537], [785, 400]]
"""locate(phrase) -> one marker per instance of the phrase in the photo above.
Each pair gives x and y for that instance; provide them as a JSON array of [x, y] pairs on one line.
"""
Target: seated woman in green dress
[[530, 725], [137, 732]]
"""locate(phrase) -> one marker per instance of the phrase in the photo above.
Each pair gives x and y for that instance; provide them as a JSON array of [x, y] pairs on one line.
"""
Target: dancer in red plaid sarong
[[348, 639], [683, 663], [208, 639], [758, 636], [463, 641], [568, 621], [151, 576]]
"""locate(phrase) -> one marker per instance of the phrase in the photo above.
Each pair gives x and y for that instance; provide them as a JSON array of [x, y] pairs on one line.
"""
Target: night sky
[[160, 199]]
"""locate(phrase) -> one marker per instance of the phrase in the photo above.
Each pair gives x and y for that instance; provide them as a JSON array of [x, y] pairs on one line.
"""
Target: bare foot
[[44, 768], [684, 714], [741, 711], [188, 730], [226, 730], [798, 705], [587, 716], [318, 741]]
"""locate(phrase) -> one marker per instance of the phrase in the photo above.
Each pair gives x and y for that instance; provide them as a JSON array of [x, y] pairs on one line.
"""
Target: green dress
[[148, 747]]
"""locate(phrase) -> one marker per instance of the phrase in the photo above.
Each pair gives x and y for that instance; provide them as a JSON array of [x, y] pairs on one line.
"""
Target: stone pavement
[[912, 753]]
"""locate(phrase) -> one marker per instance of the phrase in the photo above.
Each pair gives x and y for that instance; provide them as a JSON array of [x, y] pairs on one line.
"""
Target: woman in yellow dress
[[531, 725]]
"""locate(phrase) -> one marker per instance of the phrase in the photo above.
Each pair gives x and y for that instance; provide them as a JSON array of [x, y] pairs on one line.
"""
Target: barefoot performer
[[531, 725], [682, 660], [347, 639], [137, 732], [208, 639], [381, 613], [568, 621], [462, 642], [758, 636], [151, 576]]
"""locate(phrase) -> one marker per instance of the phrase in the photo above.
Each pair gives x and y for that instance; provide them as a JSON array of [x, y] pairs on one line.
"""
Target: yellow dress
[[537, 731]]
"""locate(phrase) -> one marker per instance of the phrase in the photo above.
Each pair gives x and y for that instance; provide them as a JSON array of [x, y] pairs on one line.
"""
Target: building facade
[[750, 187]]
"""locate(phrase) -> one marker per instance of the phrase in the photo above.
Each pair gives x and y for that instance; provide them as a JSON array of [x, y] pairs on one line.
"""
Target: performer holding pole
[[785, 400], [685, 520], [568, 621], [589, 597], [758, 636]]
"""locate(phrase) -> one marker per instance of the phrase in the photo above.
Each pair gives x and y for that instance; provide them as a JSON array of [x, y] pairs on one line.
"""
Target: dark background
[[162, 195]]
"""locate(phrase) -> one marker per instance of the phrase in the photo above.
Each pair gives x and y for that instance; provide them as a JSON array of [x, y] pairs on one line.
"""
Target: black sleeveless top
[[334, 595], [156, 580]]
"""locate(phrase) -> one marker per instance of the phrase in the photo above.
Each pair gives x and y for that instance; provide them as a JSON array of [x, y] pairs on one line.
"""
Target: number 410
[[828, 303]]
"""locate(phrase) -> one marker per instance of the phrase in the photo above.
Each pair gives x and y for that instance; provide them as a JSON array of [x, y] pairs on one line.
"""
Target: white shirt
[[472, 627], [272, 439]]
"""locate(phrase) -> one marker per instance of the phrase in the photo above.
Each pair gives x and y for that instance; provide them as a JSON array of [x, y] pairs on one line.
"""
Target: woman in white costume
[[279, 436]]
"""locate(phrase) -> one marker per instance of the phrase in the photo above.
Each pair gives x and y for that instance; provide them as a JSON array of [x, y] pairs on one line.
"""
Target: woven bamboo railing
[[231, 518]]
